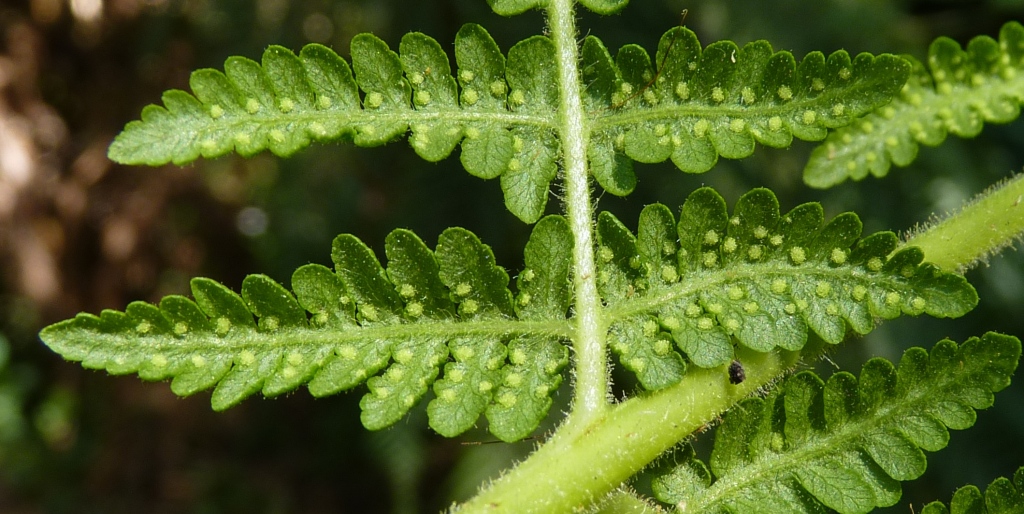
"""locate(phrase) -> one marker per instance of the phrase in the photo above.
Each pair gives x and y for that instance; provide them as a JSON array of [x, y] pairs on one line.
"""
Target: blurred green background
[[78, 233]]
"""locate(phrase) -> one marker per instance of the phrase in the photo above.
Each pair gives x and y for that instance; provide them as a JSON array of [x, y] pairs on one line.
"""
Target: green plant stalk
[[575, 469], [625, 501], [599, 447], [982, 228], [590, 356]]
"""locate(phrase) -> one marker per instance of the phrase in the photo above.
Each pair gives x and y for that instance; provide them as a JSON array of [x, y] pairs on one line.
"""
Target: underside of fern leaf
[[719, 100], [1001, 496], [757, 278], [958, 92], [393, 329], [500, 110], [705, 102], [845, 443]]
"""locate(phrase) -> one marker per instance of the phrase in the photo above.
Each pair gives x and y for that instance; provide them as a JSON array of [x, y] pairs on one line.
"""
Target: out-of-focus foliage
[[79, 234], [14, 426]]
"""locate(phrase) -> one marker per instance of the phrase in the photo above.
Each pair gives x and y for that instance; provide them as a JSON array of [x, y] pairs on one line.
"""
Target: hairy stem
[[982, 228], [624, 501], [576, 469], [574, 133]]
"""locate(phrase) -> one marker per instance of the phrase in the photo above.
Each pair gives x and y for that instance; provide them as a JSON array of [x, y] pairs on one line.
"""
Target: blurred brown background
[[78, 233]]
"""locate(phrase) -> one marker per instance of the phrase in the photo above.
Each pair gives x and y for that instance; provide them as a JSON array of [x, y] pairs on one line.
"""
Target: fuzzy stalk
[[983, 227], [625, 501], [576, 469], [590, 352]]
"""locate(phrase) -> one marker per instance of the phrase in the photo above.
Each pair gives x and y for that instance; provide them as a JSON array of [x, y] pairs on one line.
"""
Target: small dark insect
[[736, 373]]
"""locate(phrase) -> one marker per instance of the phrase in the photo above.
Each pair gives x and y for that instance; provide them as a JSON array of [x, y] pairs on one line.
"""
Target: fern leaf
[[705, 102], [533, 82], [605, 6], [513, 7], [502, 115], [958, 93], [720, 100], [523, 395], [544, 284], [757, 277], [844, 444], [1001, 496], [647, 351], [393, 329]]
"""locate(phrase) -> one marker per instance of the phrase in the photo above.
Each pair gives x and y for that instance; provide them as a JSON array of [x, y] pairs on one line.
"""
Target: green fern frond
[[844, 444], [705, 102], [605, 6], [1001, 496], [344, 327], [513, 7], [759, 277], [501, 112], [720, 100], [958, 93]]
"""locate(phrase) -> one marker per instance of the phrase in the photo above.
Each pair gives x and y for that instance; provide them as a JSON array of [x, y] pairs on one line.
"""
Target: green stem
[[624, 501], [591, 361], [981, 229], [578, 468]]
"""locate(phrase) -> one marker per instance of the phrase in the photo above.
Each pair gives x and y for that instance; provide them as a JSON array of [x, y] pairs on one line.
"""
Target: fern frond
[[958, 93], [1001, 496], [512, 7], [844, 444], [502, 113], [720, 100], [392, 329], [705, 102], [758, 277]]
